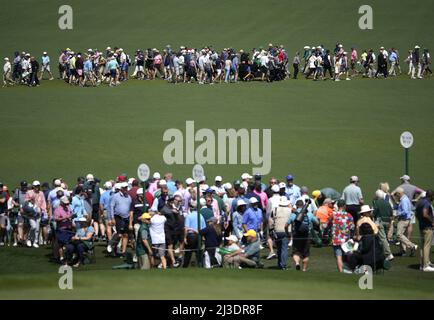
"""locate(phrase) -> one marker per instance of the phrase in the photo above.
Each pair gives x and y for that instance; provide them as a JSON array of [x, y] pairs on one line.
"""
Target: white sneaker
[[135, 258], [160, 266], [390, 257], [29, 243], [15, 244], [109, 249], [35, 245], [347, 79], [2, 244], [290, 243], [261, 247], [271, 255], [428, 269]]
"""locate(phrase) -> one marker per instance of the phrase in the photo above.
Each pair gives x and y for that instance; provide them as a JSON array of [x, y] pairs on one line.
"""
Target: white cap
[[282, 185], [123, 185], [162, 182], [340, 46], [275, 188], [245, 176], [108, 48], [117, 186], [354, 178], [202, 202], [405, 177], [156, 175], [306, 47], [120, 49], [232, 238], [218, 178], [6, 59], [140, 191], [416, 47], [227, 186], [241, 202], [203, 187], [90, 177], [57, 182], [189, 181], [45, 52], [130, 180], [36, 183], [253, 200], [108, 185]]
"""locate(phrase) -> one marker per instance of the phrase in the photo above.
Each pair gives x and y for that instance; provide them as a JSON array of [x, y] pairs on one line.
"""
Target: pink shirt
[[354, 55], [264, 198], [153, 186], [61, 213], [37, 198]]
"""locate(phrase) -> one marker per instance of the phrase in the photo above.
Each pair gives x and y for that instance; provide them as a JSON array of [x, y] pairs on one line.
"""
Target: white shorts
[[219, 72], [140, 69], [46, 68]]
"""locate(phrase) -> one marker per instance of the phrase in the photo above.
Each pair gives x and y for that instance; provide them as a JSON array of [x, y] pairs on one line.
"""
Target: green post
[[145, 204], [198, 224], [406, 161]]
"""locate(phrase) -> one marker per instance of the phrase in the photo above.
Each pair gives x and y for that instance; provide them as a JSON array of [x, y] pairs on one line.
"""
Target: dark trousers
[[212, 258], [192, 241], [329, 69], [295, 65], [77, 247], [353, 209], [383, 70], [34, 80]]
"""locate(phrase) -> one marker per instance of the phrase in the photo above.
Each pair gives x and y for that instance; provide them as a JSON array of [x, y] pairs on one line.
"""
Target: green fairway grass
[[25, 273], [322, 132]]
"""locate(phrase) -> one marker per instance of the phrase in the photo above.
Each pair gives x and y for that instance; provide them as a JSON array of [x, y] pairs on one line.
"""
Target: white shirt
[[312, 60], [312, 207], [123, 57], [7, 67], [157, 229], [264, 60]]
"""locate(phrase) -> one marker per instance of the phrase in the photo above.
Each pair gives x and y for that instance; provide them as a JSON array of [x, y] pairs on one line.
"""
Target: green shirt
[[382, 210], [143, 234]]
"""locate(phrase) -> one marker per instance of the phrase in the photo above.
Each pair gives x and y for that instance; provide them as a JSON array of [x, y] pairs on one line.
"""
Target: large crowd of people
[[157, 224], [209, 66]]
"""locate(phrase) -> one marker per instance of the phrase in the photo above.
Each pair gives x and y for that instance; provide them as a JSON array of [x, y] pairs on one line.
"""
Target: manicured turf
[[27, 274], [322, 132]]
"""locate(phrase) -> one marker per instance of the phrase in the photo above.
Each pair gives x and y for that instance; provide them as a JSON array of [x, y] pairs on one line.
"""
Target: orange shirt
[[324, 213]]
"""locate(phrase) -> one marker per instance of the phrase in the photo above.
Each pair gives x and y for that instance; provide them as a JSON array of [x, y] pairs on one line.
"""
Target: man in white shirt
[[7, 71], [158, 237]]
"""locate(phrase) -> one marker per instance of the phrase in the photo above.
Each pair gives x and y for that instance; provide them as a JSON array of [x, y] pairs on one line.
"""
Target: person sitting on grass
[[370, 252], [302, 219], [342, 228], [81, 242], [232, 252], [250, 255]]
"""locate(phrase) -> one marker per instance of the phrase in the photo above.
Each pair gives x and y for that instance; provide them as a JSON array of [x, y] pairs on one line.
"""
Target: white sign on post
[[143, 172], [198, 172], [406, 139]]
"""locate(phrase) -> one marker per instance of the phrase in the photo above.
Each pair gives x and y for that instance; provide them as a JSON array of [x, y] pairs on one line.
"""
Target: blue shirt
[[404, 208], [191, 221], [82, 232], [105, 199], [252, 218], [45, 60], [393, 57], [310, 217], [293, 193], [237, 224], [171, 186], [88, 66], [112, 64], [120, 205], [77, 207]]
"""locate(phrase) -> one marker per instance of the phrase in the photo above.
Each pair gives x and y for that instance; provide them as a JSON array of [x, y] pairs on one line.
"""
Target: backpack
[[301, 226]]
